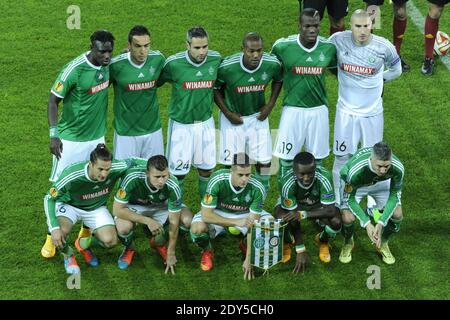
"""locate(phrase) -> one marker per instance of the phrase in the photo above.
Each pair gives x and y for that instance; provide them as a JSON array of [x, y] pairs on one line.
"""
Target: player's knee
[[347, 217], [123, 226], [336, 223], [198, 228], [109, 239], [398, 213]]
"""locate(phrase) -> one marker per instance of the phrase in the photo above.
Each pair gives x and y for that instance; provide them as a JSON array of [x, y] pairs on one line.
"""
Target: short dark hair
[[100, 152], [304, 158], [241, 159], [196, 32], [137, 30], [381, 151], [308, 12], [159, 162], [251, 36], [102, 36]]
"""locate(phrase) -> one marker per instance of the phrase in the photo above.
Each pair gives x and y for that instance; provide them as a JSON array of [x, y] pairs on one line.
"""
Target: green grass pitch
[[35, 43]]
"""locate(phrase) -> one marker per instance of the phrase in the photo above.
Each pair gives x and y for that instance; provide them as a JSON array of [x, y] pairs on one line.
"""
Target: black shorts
[[335, 8], [380, 2], [439, 3]]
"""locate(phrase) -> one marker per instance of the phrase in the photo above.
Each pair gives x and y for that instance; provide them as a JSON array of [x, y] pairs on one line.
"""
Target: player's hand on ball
[[58, 238], [301, 262]]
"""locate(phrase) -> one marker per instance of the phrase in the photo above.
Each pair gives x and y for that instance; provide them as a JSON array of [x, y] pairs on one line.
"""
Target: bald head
[[361, 24]]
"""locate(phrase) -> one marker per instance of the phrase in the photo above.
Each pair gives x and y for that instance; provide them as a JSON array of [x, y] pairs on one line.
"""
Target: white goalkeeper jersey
[[360, 73]]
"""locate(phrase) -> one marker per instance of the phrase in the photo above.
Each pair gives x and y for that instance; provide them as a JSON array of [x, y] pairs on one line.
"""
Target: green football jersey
[[136, 189], [244, 88], [192, 86], [304, 70], [136, 108], [357, 173], [319, 193], [221, 194], [76, 188], [83, 88]]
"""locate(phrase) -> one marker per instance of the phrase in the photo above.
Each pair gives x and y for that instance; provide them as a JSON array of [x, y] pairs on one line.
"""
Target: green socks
[[393, 226], [202, 240], [347, 231]]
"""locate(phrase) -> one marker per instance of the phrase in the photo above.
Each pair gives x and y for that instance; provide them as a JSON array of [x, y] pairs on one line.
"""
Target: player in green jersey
[[137, 122], [377, 172], [239, 93], [304, 119], [149, 195], [233, 199], [81, 193], [191, 132], [307, 192], [82, 86]]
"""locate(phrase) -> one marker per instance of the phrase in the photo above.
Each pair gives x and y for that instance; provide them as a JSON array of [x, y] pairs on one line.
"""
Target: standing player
[[148, 194], [398, 25], [337, 11], [377, 172], [435, 8], [307, 192], [82, 86], [134, 74], [81, 193], [233, 199], [191, 133], [304, 119], [239, 92], [362, 58]]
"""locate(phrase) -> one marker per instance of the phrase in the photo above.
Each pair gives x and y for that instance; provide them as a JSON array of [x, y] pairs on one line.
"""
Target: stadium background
[[35, 43]]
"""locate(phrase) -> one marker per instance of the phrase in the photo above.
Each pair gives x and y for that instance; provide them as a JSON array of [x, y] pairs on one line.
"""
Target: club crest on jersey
[[288, 202], [211, 70], [151, 70], [53, 192], [248, 198], [264, 76], [121, 193], [208, 199], [59, 87], [348, 188], [321, 57]]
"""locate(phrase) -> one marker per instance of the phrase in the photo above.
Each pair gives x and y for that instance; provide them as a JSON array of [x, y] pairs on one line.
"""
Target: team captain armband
[[54, 132]]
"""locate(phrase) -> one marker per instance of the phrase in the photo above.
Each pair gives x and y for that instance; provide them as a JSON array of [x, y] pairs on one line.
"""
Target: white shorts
[[159, 214], [350, 130], [379, 192], [252, 137], [300, 127], [215, 229], [144, 146], [93, 219], [191, 145], [73, 152]]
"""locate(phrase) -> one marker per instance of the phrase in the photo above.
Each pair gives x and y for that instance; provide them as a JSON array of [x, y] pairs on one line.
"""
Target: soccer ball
[[234, 231], [442, 43]]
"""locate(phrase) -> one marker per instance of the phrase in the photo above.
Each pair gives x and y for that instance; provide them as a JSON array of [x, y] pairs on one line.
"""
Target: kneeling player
[[149, 194], [81, 193], [307, 192], [233, 199], [376, 172]]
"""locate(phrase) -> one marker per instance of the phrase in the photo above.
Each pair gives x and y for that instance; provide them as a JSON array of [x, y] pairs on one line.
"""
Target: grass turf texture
[[35, 44]]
